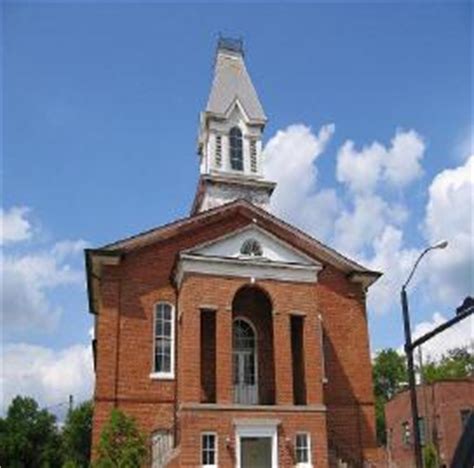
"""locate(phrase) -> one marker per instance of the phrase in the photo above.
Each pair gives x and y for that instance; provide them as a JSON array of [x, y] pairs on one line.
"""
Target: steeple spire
[[232, 83], [230, 135]]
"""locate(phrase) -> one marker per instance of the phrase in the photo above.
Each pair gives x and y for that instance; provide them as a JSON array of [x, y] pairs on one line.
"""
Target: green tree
[[29, 436], [457, 363], [121, 443], [77, 435], [388, 371]]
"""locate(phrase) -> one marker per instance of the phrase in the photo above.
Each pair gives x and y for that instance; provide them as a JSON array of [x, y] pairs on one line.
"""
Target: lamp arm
[[418, 260]]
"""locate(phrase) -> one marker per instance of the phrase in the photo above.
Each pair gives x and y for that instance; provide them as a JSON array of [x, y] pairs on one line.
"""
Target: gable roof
[[232, 83], [112, 253]]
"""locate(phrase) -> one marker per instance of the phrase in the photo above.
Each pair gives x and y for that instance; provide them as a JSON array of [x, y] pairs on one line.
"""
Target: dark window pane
[[167, 312], [166, 363], [236, 150], [159, 328]]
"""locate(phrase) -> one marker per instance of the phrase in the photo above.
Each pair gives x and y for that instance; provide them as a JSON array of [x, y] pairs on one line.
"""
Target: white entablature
[[251, 253]]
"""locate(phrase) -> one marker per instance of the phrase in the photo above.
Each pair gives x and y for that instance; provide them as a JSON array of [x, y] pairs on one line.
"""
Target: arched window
[[164, 341], [244, 350], [236, 149], [252, 248]]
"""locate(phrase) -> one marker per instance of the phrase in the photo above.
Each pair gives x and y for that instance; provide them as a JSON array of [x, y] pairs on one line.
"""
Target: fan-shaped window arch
[[243, 336], [251, 247], [236, 149]]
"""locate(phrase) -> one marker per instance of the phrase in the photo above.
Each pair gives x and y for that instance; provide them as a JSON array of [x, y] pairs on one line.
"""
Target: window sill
[[162, 376]]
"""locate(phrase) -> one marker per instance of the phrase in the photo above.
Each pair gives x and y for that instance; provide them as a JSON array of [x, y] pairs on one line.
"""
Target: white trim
[[309, 463], [216, 449], [154, 375], [252, 408], [256, 429], [245, 268], [240, 108]]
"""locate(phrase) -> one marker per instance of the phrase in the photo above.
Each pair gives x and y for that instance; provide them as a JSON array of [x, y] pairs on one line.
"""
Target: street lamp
[[409, 354]]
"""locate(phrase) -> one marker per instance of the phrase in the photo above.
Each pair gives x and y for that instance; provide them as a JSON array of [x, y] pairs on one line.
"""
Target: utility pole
[[409, 347], [71, 402], [411, 380], [425, 399]]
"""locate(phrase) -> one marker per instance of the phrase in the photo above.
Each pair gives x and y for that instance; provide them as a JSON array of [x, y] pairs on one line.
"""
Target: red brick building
[[232, 337], [443, 408]]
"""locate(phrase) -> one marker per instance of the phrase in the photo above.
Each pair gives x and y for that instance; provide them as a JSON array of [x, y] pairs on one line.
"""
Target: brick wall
[[440, 405], [125, 343]]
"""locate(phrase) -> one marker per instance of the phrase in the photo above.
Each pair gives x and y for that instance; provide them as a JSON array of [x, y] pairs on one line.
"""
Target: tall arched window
[[244, 350], [236, 149], [163, 341]]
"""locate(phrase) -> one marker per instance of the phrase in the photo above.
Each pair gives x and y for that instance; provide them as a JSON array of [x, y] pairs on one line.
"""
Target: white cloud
[[27, 280], [402, 162], [395, 261], [289, 160], [460, 335], [360, 170], [15, 226], [449, 216], [47, 375], [399, 164], [359, 227]]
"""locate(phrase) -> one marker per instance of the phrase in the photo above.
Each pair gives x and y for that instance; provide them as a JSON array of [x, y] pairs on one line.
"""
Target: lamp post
[[409, 354]]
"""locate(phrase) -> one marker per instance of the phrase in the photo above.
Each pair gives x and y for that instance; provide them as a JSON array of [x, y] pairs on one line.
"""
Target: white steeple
[[230, 135]]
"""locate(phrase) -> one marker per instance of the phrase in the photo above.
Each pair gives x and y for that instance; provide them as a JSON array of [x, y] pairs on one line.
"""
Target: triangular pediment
[[235, 246]]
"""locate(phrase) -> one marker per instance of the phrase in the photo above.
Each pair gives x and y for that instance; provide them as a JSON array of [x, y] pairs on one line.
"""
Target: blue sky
[[101, 104]]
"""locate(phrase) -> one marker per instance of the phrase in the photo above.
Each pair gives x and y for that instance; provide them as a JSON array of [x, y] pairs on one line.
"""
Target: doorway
[[257, 445], [256, 452]]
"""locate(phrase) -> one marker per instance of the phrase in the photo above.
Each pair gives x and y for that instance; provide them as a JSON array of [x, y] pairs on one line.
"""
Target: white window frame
[[170, 374], [309, 463], [216, 449]]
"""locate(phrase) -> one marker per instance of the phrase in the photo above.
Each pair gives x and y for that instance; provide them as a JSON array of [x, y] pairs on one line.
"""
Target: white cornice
[[252, 269]]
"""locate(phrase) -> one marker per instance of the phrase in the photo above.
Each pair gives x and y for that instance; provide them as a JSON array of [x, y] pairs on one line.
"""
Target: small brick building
[[443, 409], [232, 337]]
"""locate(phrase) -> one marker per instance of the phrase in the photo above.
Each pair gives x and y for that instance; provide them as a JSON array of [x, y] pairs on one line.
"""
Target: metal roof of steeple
[[232, 81]]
